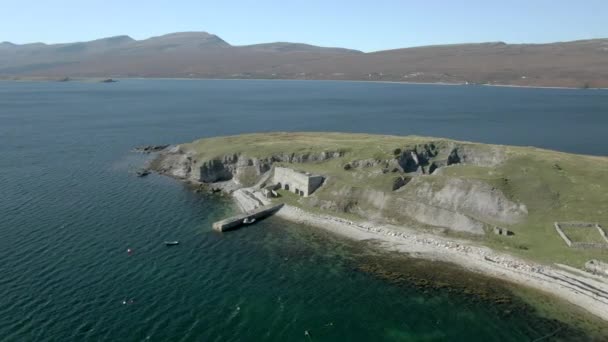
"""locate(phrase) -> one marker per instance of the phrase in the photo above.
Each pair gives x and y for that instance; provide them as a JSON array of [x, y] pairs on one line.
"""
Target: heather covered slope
[[579, 64], [439, 185]]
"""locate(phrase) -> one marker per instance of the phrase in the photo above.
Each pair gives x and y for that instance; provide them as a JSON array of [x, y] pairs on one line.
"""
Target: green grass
[[583, 234], [292, 199], [554, 186], [264, 144]]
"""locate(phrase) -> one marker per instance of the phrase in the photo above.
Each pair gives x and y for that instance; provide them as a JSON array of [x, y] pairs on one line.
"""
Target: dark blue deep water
[[70, 206]]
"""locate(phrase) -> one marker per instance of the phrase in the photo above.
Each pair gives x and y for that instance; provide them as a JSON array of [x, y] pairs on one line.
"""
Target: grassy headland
[[373, 177]]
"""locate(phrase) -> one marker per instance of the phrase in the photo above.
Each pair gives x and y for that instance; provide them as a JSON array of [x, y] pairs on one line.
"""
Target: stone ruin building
[[300, 183]]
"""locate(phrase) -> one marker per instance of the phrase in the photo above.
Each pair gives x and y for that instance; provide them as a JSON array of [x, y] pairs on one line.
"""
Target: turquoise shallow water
[[70, 207]]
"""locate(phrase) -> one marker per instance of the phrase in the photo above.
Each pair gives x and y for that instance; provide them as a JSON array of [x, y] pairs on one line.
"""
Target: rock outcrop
[[150, 148], [472, 197], [415, 193], [181, 163], [458, 204], [429, 157]]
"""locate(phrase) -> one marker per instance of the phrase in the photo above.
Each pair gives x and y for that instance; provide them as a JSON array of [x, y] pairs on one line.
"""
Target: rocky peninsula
[[489, 208]]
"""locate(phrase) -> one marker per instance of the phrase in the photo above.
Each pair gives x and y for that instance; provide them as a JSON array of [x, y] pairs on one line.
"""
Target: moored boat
[[248, 220]]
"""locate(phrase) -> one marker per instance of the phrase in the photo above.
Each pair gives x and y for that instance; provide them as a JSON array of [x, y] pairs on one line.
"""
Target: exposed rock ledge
[[149, 148], [459, 204], [179, 162]]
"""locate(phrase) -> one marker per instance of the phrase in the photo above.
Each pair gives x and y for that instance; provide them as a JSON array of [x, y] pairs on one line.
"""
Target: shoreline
[[588, 293], [93, 79]]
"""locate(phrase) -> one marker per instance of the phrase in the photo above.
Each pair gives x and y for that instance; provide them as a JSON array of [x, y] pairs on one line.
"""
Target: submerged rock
[[142, 173], [149, 148]]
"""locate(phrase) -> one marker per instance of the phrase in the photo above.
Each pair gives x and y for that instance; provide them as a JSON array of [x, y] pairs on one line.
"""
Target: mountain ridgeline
[[581, 64]]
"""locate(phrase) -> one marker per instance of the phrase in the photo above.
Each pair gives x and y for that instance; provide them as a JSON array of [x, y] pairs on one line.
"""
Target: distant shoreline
[[99, 79]]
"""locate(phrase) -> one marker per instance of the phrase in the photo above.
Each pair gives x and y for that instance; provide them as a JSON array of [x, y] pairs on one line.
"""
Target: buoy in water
[[129, 251]]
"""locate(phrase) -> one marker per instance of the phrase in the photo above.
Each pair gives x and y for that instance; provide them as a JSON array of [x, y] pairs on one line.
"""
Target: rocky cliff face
[[416, 192], [474, 198], [429, 157], [181, 163], [458, 204]]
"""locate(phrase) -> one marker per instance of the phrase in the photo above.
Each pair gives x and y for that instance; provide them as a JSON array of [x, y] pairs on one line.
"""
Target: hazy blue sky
[[366, 25]]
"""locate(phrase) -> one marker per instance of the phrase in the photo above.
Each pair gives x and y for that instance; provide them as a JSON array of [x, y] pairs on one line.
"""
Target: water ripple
[[70, 207]]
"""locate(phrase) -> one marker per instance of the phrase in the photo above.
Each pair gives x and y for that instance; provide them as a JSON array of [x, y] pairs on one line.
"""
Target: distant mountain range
[[202, 55]]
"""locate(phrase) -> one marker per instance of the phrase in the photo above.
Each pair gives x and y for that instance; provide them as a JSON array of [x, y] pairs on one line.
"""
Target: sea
[[71, 207]]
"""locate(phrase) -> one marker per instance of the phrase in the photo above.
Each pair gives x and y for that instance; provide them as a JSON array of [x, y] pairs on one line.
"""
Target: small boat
[[248, 220], [171, 243]]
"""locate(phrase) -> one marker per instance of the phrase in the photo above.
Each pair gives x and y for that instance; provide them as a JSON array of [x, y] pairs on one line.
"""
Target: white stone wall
[[296, 182]]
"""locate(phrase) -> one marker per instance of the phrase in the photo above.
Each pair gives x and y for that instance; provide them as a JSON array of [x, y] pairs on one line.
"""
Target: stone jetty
[[257, 214]]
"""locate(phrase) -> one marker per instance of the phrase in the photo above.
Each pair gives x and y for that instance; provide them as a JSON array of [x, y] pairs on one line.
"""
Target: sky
[[369, 25]]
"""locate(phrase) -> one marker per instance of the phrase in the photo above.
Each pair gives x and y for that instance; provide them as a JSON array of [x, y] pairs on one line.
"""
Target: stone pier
[[236, 222]]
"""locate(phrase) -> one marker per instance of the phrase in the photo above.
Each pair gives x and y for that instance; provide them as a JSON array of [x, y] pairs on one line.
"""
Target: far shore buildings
[[300, 183]]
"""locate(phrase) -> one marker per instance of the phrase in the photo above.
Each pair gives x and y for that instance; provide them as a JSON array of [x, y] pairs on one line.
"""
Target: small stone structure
[[597, 267], [502, 231], [300, 183], [270, 191], [582, 225]]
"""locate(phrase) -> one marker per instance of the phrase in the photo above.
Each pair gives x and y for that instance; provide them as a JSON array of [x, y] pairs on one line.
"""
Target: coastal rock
[[440, 217], [386, 207], [411, 195], [173, 162], [427, 158], [472, 197], [242, 169], [142, 172], [149, 148], [214, 171]]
